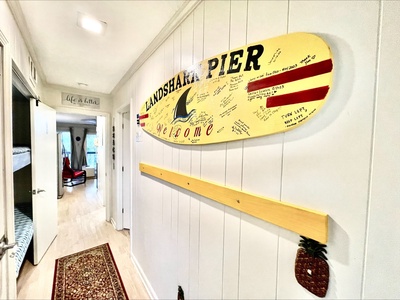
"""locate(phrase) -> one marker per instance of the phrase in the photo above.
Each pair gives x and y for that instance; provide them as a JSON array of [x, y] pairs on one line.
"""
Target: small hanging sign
[[260, 89], [80, 100]]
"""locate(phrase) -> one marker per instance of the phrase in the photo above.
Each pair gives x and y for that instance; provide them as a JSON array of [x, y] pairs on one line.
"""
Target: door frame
[[126, 174], [107, 142], [118, 222], [6, 152]]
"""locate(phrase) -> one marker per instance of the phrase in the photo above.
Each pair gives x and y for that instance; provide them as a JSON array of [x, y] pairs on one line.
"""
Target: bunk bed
[[22, 208], [23, 232], [21, 157]]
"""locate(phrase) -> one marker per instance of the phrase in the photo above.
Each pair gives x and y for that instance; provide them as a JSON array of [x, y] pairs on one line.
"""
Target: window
[[66, 144], [91, 148]]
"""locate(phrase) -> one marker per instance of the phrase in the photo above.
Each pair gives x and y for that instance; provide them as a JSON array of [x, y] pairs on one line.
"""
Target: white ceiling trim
[[168, 29]]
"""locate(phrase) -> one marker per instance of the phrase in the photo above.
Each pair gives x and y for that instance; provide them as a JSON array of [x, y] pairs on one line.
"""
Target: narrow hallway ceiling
[[66, 55]]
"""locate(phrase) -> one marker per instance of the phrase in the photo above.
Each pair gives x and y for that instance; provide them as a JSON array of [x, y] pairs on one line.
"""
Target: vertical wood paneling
[[266, 19], [234, 161], [175, 150], [262, 158], [152, 202], [258, 243], [136, 147], [167, 161], [185, 158], [168, 234], [138, 205], [213, 167], [158, 79], [136, 232], [383, 227], [194, 235], [134, 104], [327, 161], [215, 252], [140, 230]]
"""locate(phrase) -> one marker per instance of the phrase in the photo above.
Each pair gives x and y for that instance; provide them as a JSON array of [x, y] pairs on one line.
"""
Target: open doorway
[[90, 151], [84, 141], [77, 147]]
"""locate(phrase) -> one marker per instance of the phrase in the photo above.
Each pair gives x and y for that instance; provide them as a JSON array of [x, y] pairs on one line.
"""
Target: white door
[[7, 266], [7, 270], [44, 177], [126, 171], [4, 259]]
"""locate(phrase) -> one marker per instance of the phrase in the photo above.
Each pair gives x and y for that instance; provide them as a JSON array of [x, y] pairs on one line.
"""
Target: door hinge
[[122, 125], [123, 169], [123, 210]]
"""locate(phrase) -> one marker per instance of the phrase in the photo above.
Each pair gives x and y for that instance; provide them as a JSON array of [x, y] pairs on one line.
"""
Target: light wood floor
[[81, 225]]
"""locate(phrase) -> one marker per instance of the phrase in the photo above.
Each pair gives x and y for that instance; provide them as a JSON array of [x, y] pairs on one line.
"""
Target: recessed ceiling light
[[91, 24]]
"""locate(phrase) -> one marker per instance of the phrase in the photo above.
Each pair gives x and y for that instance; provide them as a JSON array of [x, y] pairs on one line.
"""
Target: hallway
[[81, 225]]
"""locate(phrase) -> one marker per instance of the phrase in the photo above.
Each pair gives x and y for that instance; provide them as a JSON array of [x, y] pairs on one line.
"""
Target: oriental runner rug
[[89, 274]]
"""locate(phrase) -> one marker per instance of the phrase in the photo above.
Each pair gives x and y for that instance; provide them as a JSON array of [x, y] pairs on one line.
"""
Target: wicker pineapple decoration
[[311, 268]]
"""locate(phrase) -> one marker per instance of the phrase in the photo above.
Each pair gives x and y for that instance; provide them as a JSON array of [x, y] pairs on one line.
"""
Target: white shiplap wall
[[212, 251], [381, 279]]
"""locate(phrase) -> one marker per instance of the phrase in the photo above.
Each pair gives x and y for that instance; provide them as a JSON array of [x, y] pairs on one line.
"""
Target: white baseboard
[[113, 223], [144, 279]]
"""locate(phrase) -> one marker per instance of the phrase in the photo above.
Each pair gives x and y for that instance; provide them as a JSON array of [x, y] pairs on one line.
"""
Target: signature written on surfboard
[[237, 61], [264, 88]]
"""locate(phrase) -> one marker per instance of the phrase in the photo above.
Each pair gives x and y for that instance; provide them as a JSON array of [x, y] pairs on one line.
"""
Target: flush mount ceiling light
[[91, 24]]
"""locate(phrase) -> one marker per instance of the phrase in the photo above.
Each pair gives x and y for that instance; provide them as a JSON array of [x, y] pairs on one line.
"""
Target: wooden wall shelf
[[304, 221]]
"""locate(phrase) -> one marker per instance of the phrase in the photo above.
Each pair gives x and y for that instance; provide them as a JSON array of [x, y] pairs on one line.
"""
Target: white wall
[[383, 223], [343, 162], [53, 98], [19, 52]]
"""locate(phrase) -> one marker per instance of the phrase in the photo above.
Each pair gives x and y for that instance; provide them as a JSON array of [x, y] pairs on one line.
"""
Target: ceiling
[[64, 118], [66, 55]]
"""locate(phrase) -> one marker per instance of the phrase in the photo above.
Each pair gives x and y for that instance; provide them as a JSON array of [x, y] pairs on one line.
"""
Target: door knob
[[4, 246], [34, 192]]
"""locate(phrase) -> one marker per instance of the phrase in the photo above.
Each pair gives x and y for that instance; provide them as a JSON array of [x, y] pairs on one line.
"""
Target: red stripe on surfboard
[[298, 97], [319, 68], [143, 116]]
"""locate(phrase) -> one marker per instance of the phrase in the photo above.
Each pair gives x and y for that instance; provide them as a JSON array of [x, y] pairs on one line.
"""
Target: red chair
[[72, 177]]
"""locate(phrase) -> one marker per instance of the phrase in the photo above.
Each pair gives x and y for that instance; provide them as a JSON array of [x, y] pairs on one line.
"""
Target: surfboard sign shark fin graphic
[[180, 111]]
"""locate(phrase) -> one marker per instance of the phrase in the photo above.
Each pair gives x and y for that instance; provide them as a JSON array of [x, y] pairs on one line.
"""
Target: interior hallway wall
[[54, 99], [19, 52], [343, 162]]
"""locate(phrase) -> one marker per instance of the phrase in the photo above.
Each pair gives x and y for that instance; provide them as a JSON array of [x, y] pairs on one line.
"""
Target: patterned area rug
[[89, 274]]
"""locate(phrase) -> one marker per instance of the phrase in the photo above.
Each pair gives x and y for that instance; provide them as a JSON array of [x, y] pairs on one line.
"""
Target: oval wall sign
[[260, 89]]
